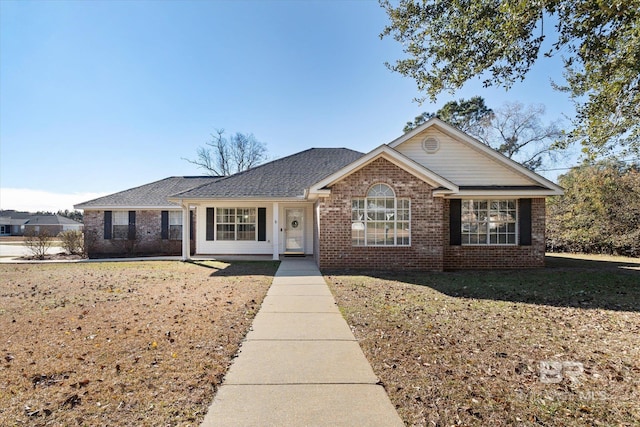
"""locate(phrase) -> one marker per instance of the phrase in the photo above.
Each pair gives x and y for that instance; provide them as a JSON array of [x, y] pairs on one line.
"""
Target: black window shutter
[[455, 222], [191, 225], [164, 225], [132, 225], [210, 228], [524, 221], [107, 225], [262, 224]]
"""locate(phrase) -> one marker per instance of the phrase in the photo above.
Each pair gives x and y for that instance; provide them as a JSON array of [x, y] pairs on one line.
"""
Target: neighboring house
[[11, 226], [433, 199], [52, 224], [13, 223]]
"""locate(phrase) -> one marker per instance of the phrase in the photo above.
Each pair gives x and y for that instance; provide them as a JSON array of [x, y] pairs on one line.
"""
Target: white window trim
[[114, 215], [395, 220], [517, 224], [236, 223], [176, 216]]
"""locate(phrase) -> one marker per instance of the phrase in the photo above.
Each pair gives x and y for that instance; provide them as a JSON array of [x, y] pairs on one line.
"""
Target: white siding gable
[[461, 163]]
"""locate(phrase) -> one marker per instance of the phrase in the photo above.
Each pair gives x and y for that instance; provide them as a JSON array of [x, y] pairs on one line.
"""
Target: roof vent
[[430, 145]]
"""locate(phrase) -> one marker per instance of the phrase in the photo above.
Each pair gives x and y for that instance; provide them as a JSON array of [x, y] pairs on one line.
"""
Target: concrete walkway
[[300, 365]]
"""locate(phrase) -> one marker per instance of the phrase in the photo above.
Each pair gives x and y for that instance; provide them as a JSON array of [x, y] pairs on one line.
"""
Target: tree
[[224, 156], [74, 214], [471, 116], [518, 132], [451, 42], [514, 130], [599, 211]]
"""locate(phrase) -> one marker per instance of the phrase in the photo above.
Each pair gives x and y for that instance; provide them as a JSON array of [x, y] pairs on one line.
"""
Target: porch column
[[186, 232], [276, 233]]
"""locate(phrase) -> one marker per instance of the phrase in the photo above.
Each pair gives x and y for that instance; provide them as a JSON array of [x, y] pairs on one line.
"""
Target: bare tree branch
[[223, 156]]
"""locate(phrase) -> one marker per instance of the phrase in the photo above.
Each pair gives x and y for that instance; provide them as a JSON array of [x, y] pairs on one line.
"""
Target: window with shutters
[[120, 225], [236, 223], [175, 225], [489, 222]]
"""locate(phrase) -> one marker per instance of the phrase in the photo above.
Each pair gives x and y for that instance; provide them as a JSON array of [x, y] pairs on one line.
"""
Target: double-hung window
[[175, 225], [120, 225], [236, 223], [489, 222], [380, 219]]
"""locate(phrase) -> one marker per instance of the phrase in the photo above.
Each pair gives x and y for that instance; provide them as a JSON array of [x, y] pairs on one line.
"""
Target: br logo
[[553, 372]]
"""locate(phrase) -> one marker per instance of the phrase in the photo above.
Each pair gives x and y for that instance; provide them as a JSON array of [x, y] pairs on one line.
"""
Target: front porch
[[232, 229]]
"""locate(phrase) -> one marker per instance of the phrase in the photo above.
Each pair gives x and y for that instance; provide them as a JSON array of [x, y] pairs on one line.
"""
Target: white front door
[[294, 230]]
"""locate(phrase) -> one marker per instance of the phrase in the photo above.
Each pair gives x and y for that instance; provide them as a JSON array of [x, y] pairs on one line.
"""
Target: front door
[[294, 231]]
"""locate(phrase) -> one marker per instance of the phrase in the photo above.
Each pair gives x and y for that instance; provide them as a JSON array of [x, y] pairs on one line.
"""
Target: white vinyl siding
[[459, 163], [251, 247]]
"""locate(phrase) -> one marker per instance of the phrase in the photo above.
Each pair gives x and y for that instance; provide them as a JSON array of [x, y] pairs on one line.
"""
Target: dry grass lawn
[[127, 343], [465, 348]]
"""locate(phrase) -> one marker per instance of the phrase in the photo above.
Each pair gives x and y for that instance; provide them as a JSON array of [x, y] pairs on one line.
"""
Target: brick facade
[[148, 239], [496, 257], [334, 235], [430, 248]]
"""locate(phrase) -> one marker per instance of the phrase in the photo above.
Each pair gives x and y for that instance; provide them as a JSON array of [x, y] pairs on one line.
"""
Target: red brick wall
[[430, 249], [427, 236], [148, 237], [496, 257]]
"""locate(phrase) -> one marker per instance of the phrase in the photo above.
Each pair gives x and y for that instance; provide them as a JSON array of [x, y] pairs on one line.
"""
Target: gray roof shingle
[[287, 177], [50, 220], [152, 195]]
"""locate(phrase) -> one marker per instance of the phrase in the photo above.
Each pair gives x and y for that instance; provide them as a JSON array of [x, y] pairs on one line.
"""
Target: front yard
[[127, 343], [147, 343], [553, 347]]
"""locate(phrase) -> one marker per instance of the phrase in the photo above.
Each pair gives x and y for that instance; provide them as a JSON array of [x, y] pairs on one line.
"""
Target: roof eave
[[125, 207], [196, 200], [512, 193], [479, 146], [388, 153]]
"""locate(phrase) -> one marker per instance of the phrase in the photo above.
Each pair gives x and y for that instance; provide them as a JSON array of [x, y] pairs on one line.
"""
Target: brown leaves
[[88, 359], [453, 360]]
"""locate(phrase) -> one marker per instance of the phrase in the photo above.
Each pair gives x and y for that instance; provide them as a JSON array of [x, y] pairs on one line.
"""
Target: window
[[236, 224], [120, 225], [175, 225], [380, 219], [488, 222]]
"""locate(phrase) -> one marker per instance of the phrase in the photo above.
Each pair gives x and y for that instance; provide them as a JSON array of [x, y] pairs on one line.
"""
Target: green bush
[[599, 212]]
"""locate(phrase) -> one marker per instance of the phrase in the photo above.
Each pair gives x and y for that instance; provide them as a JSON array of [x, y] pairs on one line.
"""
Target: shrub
[[38, 242], [72, 241]]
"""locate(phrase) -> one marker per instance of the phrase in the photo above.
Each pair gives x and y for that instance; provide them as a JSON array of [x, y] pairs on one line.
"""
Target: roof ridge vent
[[430, 145]]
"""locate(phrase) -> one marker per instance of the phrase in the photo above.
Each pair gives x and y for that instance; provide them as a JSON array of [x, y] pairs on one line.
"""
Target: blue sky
[[100, 96]]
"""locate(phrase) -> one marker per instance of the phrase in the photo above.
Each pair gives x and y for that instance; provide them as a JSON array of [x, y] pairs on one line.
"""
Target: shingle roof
[[7, 220], [152, 195], [50, 220], [287, 177]]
